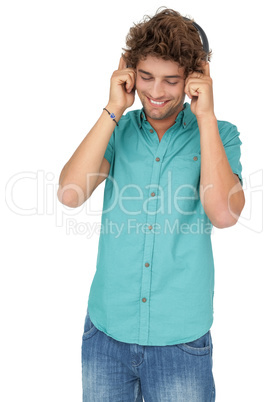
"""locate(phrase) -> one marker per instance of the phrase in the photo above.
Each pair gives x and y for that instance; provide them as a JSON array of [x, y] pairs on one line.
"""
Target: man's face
[[160, 86]]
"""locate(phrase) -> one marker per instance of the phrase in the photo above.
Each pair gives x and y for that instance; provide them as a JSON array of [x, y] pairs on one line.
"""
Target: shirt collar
[[184, 117]]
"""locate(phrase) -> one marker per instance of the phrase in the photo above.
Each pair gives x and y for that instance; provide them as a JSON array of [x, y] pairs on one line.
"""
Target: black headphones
[[202, 35]]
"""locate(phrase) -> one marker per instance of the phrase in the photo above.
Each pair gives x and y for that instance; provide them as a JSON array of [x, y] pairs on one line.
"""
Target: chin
[[159, 115]]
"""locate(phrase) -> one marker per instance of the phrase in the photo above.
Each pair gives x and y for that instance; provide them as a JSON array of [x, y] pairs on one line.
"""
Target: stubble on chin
[[160, 116]]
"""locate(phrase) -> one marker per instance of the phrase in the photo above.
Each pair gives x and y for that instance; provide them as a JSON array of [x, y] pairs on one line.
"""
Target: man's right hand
[[122, 89]]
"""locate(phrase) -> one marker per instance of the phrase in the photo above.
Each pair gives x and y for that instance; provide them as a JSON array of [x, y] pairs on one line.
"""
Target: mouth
[[157, 103]]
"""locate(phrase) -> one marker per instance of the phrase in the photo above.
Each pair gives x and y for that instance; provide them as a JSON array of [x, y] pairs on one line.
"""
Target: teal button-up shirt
[[154, 279]]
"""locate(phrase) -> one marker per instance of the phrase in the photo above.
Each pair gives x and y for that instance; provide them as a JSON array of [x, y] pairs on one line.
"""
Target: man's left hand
[[198, 87]]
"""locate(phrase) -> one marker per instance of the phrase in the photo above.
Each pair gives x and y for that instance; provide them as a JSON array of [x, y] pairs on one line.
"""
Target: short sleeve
[[109, 153], [232, 145]]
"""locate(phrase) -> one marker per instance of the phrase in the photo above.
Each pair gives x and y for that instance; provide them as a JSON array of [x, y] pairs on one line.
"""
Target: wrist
[[112, 115], [207, 120], [115, 109]]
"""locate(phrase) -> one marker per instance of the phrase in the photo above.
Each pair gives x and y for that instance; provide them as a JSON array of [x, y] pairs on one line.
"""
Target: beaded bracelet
[[112, 115]]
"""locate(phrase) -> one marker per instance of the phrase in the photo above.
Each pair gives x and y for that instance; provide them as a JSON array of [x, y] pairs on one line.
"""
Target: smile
[[157, 103]]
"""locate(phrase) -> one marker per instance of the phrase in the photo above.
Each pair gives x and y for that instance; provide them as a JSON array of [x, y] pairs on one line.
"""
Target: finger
[[192, 89], [122, 63], [130, 82], [122, 77], [206, 69], [187, 91], [195, 75], [192, 92]]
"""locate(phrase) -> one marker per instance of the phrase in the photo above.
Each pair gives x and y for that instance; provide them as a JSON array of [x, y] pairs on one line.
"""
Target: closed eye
[[150, 78], [172, 83], [146, 79]]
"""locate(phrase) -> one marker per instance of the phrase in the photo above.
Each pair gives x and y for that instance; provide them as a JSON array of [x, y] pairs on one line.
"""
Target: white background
[[56, 61]]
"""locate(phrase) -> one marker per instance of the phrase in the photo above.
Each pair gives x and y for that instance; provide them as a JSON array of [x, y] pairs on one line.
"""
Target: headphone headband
[[202, 35]]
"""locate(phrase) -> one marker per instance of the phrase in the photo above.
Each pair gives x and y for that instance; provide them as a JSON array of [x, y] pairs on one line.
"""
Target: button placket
[[151, 224]]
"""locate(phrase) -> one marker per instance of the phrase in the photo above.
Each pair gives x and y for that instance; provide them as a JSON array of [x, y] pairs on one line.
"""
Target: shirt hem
[[171, 343]]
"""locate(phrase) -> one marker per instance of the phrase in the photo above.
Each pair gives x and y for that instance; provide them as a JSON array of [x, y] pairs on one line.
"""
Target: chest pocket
[[183, 175]]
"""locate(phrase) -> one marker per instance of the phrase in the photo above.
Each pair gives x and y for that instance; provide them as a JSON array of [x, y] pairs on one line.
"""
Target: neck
[[162, 125]]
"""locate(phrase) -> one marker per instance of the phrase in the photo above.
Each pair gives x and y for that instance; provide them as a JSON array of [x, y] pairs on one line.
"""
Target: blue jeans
[[124, 372]]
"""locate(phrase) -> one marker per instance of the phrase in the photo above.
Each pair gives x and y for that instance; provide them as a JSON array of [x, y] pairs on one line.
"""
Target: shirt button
[[144, 300], [151, 131], [195, 158], [147, 264], [157, 159], [184, 124], [150, 227], [152, 194]]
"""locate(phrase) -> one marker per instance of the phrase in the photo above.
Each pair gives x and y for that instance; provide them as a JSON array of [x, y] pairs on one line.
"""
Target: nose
[[157, 91]]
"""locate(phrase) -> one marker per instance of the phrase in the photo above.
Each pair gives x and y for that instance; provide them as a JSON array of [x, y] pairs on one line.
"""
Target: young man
[[173, 172]]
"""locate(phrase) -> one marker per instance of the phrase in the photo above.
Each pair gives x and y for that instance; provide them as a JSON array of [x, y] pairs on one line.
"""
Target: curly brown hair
[[169, 36]]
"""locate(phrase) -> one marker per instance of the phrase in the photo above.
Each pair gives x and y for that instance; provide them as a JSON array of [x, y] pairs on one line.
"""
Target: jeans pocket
[[89, 328], [199, 347]]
